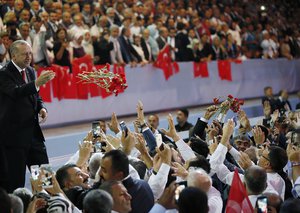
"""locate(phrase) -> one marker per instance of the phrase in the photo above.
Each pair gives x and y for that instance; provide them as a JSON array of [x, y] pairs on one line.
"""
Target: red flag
[[103, 92], [45, 90], [238, 200], [164, 62], [80, 65], [200, 69], [224, 68], [121, 71], [57, 82], [69, 86]]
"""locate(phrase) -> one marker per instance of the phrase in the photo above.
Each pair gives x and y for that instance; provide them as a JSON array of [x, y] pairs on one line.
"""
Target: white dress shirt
[[275, 184], [215, 202], [158, 182]]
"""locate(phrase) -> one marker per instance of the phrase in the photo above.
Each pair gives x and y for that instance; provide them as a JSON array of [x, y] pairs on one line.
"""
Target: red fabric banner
[[238, 200], [200, 69], [224, 67], [69, 86], [164, 62], [57, 82], [80, 65], [45, 90]]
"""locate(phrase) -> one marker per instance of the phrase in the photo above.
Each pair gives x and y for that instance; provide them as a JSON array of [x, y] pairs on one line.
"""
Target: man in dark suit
[[270, 98], [282, 103], [181, 43], [163, 36], [115, 166], [130, 56], [21, 138]]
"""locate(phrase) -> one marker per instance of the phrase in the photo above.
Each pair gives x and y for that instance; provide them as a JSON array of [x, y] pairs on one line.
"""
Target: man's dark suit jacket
[[128, 52], [147, 54], [142, 196], [102, 49], [160, 43], [19, 108], [280, 104], [272, 101], [181, 43]]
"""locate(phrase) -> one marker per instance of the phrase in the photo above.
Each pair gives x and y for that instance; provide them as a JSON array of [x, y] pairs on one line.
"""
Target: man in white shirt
[[200, 179], [272, 161]]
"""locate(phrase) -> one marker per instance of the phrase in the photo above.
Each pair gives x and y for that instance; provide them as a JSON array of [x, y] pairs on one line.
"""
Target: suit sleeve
[[10, 88], [199, 128]]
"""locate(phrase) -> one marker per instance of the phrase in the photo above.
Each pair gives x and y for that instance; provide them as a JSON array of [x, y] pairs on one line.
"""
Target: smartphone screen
[[34, 169], [98, 147], [96, 129], [124, 128], [46, 173], [262, 204], [158, 139]]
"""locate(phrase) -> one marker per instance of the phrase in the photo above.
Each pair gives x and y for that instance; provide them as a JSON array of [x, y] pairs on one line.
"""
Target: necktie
[[23, 75]]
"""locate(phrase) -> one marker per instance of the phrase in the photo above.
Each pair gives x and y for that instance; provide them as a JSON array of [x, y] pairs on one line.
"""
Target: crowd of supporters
[[150, 169], [133, 32]]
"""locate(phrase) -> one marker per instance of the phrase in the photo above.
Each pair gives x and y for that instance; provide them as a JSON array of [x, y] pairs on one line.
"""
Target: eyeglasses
[[265, 157]]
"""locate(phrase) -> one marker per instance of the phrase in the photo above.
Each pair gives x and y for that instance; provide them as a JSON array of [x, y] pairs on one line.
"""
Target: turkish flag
[[103, 93], [164, 62], [45, 90], [238, 200], [83, 64], [57, 82], [69, 86], [200, 69], [224, 67]]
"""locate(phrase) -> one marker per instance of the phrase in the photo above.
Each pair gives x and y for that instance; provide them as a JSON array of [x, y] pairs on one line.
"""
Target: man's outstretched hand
[[45, 76]]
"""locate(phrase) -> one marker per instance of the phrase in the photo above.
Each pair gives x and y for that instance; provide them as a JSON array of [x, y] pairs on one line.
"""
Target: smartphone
[[178, 190], [124, 128], [46, 173], [159, 140], [98, 147], [262, 204], [96, 129], [35, 172]]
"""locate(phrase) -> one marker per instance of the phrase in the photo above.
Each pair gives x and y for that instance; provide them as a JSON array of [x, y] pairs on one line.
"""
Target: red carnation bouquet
[[111, 82], [230, 103]]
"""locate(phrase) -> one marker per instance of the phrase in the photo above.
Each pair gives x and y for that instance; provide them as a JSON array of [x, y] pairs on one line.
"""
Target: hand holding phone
[[262, 204], [124, 128], [46, 173], [96, 129]]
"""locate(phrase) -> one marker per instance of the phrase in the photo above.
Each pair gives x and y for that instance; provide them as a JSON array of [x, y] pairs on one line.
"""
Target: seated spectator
[[76, 44], [231, 47], [151, 44], [206, 52], [163, 36], [115, 54], [182, 41], [87, 43], [219, 52], [129, 52], [102, 49], [182, 117], [62, 49], [285, 50], [66, 21], [138, 48], [268, 46]]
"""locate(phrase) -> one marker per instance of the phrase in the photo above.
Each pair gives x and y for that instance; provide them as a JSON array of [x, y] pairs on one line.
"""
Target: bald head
[[199, 179]]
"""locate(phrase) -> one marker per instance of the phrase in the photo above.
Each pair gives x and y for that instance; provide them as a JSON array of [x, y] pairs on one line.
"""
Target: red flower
[[216, 100], [241, 102], [230, 96]]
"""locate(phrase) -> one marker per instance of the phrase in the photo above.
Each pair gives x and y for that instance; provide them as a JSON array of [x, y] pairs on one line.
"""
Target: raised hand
[[267, 109], [45, 76], [140, 113], [171, 131], [114, 124], [227, 131], [210, 111], [259, 136]]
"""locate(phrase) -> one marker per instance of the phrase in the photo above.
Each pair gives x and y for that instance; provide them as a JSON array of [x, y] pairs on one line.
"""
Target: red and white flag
[[238, 200], [164, 62]]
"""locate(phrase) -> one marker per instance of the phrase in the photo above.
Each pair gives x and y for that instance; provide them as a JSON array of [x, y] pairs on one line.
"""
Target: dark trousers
[[17, 158]]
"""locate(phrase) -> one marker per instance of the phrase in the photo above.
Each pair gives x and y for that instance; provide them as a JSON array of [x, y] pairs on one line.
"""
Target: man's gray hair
[[109, 10], [25, 195], [113, 27], [97, 201], [193, 177], [14, 46], [16, 204], [107, 185], [94, 164], [24, 24]]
